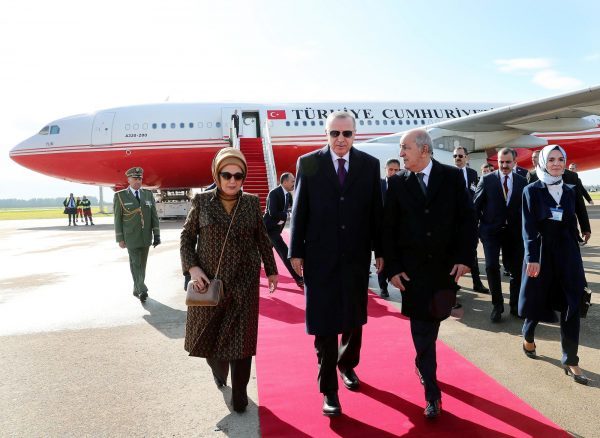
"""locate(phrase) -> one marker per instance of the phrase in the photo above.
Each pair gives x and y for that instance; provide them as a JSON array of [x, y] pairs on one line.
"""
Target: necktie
[[341, 171], [288, 199], [466, 177], [506, 186], [420, 176], [137, 196]]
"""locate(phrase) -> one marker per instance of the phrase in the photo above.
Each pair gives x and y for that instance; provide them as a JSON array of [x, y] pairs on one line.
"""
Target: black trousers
[[424, 335], [475, 272], [282, 250], [569, 336], [511, 245], [329, 356], [240, 376]]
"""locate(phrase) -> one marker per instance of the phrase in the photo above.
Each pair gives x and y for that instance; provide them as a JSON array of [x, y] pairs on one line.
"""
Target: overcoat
[[229, 330], [135, 222], [334, 228], [553, 244], [426, 235]]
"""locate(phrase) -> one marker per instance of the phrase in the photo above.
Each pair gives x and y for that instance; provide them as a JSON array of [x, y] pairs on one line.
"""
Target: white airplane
[[175, 143]]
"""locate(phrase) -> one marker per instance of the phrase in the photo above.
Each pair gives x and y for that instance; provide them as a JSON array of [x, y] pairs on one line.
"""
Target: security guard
[[136, 221]]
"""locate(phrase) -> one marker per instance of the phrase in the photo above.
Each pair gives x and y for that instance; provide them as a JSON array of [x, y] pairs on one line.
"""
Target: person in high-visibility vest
[[86, 206]]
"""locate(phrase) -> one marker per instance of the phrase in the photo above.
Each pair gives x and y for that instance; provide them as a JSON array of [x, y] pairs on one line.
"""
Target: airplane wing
[[512, 125]]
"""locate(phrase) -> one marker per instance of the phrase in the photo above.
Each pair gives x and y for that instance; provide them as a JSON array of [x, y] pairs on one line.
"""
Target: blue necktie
[[420, 176], [137, 196]]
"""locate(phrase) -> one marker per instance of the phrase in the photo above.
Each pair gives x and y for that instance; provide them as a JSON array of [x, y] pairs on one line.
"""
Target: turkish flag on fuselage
[[276, 114]]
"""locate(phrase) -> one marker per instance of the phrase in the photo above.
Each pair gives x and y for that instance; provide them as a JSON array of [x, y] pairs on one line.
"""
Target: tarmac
[[82, 357]]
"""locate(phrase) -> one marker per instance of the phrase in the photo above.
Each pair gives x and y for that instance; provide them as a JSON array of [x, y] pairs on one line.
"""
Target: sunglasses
[[458, 156], [346, 134], [238, 176]]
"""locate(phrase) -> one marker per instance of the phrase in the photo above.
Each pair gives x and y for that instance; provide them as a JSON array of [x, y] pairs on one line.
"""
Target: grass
[[595, 195], [36, 213]]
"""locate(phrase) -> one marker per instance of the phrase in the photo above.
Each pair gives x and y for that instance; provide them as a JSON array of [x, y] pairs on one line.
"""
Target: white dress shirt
[[335, 159], [426, 173]]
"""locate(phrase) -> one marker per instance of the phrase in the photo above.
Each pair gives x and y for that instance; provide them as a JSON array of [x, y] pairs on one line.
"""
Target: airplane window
[[296, 123], [304, 123], [287, 123], [44, 130], [361, 122], [369, 122], [385, 122], [163, 125], [191, 125], [54, 129], [312, 123], [400, 122], [209, 124], [127, 127], [377, 122], [200, 124], [182, 125], [218, 124], [321, 122], [415, 122], [145, 126], [422, 122], [173, 125], [154, 126], [136, 126], [393, 122]]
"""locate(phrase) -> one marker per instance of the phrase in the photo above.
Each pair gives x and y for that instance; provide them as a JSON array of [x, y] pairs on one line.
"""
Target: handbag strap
[[227, 235]]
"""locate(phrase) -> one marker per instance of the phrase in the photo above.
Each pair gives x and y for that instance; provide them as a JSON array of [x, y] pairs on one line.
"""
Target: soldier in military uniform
[[136, 221]]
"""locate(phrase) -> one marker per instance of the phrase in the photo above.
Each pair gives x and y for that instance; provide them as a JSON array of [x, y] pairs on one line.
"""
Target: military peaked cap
[[135, 172]]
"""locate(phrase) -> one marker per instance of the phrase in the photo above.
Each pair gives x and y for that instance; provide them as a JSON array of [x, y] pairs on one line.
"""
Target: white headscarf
[[541, 171]]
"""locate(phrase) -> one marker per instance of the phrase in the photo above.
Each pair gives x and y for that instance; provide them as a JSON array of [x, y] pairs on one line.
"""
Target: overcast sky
[[67, 57]]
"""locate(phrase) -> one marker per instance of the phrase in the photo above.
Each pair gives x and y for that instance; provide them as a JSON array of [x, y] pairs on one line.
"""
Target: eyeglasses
[[238, 176], [458, 156], [346, 134]]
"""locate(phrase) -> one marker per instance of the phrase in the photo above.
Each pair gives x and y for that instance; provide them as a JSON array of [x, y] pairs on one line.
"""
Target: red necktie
[[506, 186]]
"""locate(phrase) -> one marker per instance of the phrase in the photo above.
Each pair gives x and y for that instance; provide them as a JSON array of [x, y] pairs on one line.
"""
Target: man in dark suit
[[429, 239], [569, 177], [392, 167], [498, 206], [461, 158], [335, 225], [584, 192], [279, 203]]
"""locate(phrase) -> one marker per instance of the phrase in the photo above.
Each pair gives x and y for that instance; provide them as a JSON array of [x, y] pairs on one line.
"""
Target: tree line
[[38, 202]]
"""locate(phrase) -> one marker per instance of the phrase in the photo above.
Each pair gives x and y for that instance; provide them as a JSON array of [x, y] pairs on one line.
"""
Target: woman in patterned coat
[[226, 334]]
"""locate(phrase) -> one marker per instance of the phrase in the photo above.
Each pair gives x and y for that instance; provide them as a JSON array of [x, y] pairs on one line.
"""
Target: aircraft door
[[102, 128], [250, 126]]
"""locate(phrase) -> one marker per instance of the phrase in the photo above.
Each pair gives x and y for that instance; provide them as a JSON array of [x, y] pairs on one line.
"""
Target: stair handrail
[[269, 157], [233, 137]]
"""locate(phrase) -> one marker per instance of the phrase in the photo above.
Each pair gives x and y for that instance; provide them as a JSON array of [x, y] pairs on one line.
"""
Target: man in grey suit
[[335, 225]]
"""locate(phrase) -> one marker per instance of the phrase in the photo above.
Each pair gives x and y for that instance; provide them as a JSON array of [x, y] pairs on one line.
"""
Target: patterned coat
[[227, 331]]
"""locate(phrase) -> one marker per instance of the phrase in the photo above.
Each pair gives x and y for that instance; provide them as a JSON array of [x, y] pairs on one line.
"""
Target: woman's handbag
[[586, 302], [209, 296]]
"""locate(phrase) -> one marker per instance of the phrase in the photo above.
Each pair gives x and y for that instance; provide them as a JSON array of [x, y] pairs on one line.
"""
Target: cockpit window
[[54, 129], [44, 130]]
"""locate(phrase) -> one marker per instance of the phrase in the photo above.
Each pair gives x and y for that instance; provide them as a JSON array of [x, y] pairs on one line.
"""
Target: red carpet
[[390, 400]]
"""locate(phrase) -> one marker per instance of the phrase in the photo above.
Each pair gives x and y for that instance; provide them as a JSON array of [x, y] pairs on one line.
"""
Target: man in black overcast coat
[[335, 225], [429, 242]]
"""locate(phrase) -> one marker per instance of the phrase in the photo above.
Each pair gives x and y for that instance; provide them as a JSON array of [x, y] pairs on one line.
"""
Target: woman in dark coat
[[553, 276], [226, 334]]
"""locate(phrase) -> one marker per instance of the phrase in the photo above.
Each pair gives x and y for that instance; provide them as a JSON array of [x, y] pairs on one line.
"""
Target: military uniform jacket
[[135, 222]]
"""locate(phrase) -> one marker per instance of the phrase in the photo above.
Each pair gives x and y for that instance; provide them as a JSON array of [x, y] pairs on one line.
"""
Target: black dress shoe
[[331, 404], [529, 353], [579, 378], [479, 287], [143, 296], [433, 409], [496, 315], [385, 293], [350, 379]]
